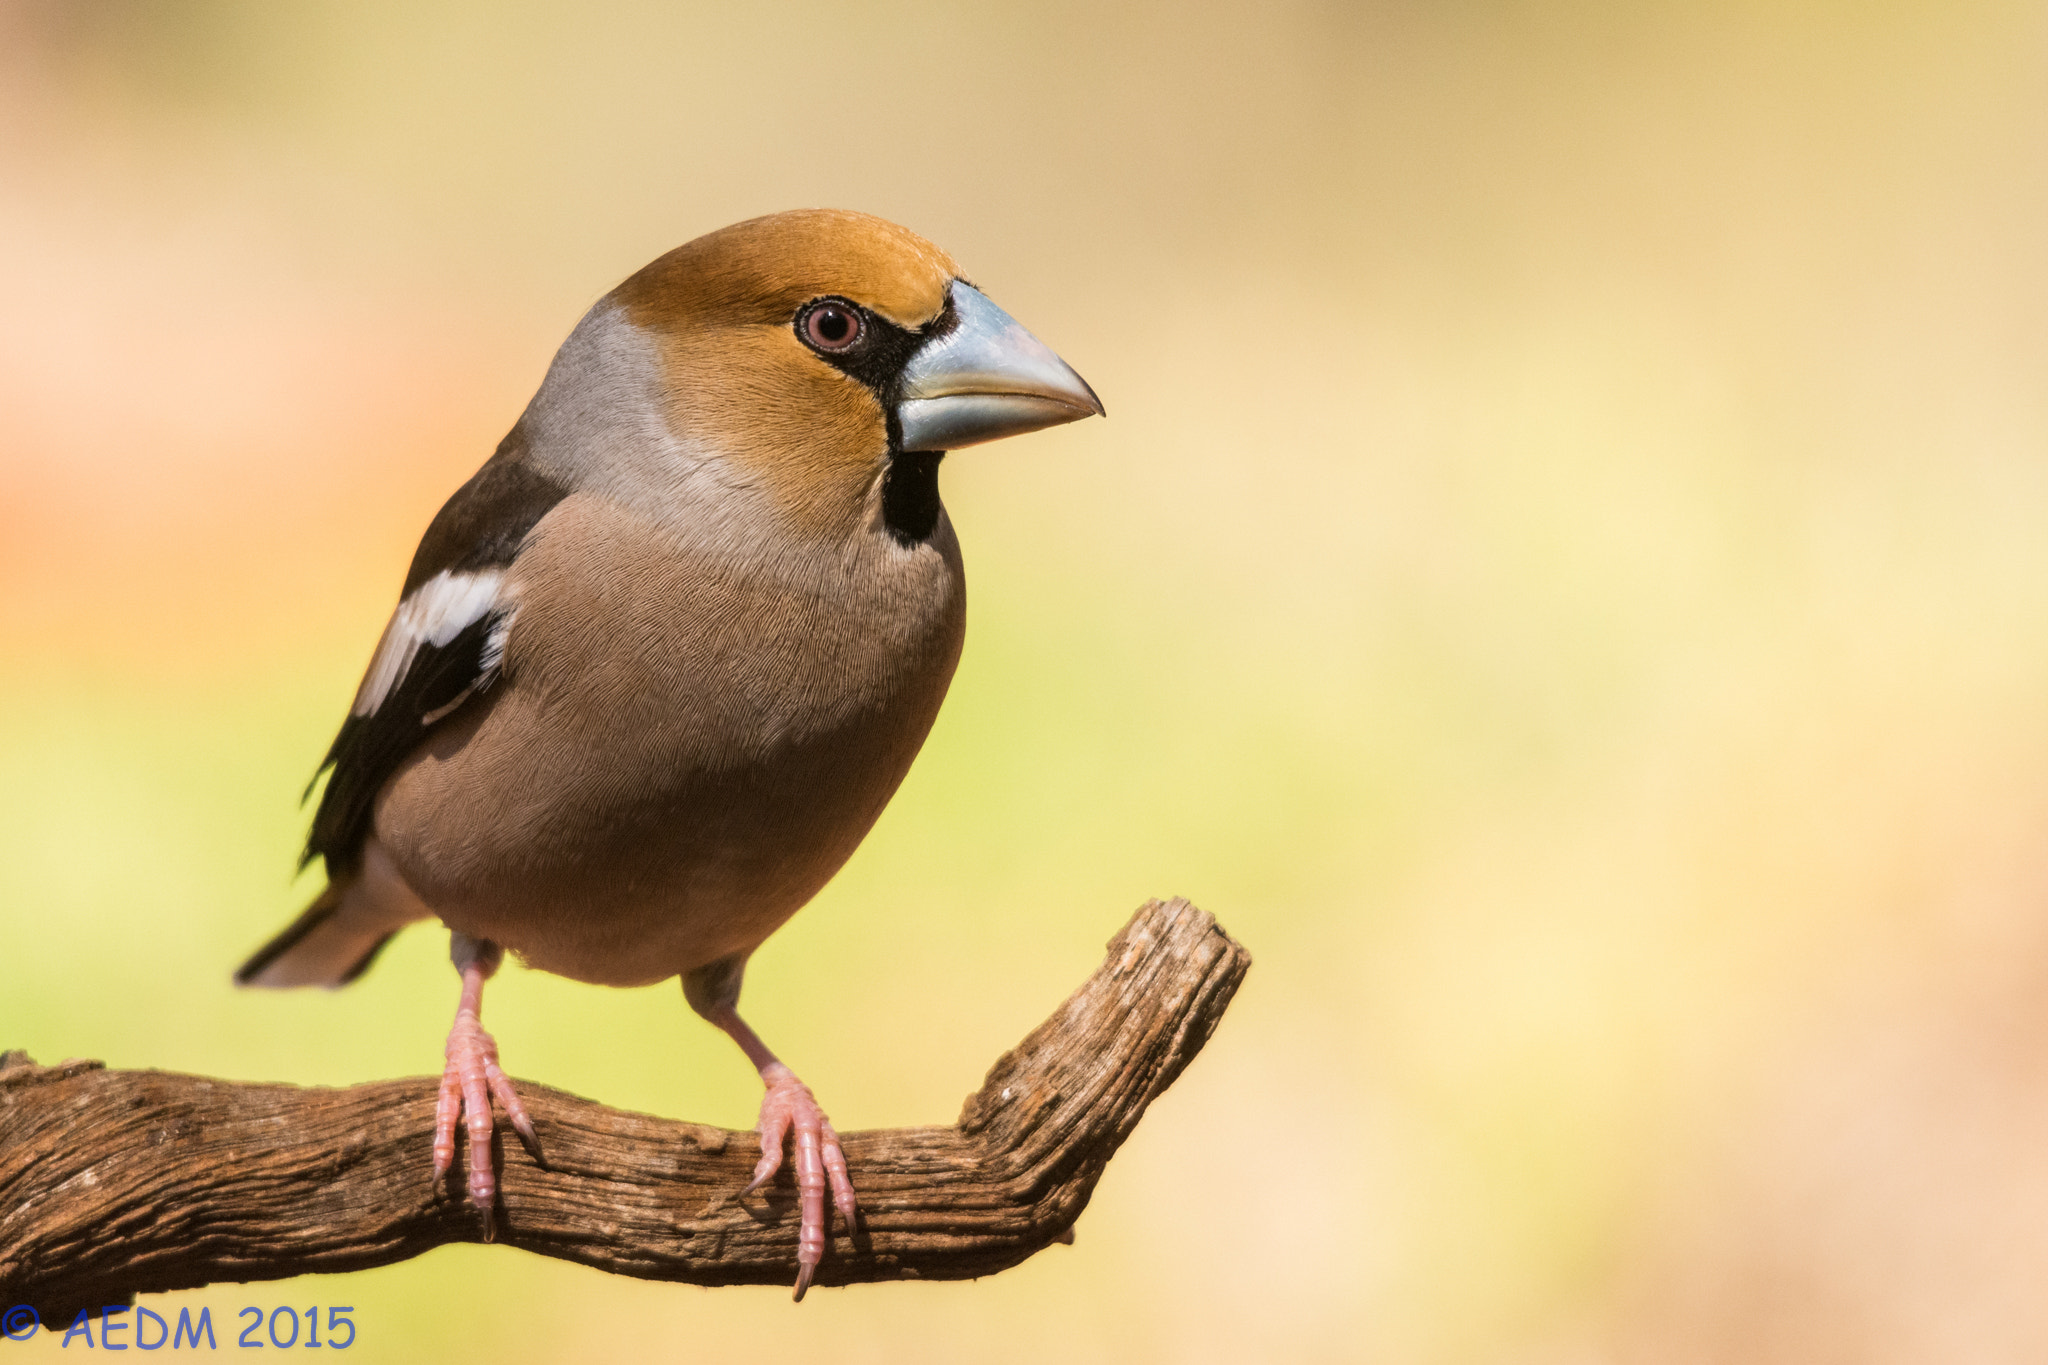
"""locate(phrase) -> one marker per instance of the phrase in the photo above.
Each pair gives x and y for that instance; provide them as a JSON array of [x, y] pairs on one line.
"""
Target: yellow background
[[1564, 580]]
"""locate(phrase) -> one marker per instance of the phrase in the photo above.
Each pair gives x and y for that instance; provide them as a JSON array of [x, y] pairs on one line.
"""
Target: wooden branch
[[114, 1182]]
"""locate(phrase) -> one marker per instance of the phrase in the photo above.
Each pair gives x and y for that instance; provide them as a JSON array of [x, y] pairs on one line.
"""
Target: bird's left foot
[[468, 1081], [789, 1107]]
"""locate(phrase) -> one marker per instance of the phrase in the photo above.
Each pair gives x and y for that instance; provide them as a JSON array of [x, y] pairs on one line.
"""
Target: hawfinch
[[658, 666]]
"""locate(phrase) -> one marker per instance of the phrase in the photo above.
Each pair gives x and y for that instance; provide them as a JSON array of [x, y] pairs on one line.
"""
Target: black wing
[[441, 658]]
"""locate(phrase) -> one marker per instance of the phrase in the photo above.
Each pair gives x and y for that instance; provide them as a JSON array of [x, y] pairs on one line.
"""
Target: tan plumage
[[737, 725], [663, 661]]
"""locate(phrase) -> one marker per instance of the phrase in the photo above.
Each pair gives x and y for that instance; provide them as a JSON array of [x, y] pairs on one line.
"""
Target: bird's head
[[836, 356]]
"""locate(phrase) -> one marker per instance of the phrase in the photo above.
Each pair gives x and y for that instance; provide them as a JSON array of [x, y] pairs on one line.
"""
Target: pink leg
[[470, 1077], [790, 1108]]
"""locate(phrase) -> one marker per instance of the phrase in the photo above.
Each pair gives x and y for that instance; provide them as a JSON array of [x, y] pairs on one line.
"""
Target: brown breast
[[683, 748]]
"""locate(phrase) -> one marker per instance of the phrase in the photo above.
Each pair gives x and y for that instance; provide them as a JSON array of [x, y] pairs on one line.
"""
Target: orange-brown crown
[[762, 269]]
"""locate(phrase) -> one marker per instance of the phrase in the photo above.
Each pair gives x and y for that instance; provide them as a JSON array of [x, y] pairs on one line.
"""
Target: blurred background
[[1564, 581]]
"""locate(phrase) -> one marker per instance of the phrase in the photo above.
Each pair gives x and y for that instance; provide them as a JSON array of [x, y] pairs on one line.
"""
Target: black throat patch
[[910, 495]]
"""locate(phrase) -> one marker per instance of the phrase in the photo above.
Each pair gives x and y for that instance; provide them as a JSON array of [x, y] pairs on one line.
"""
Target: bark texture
[[118, 1182]]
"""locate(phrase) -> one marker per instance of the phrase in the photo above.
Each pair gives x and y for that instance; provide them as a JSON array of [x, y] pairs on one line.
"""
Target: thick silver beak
[[986, 379]]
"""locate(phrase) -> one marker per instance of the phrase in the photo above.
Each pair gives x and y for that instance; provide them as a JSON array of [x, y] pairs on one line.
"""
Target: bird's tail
[[325, 946]]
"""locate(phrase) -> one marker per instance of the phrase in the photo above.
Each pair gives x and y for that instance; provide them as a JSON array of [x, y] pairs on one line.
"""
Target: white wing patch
[[439, 610]]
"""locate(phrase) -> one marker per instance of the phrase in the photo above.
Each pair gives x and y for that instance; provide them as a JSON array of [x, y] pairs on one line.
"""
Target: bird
[[658, 666]]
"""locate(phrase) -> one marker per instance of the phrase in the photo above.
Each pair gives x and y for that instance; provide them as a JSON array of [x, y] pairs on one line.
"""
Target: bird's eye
[[831, 326]]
